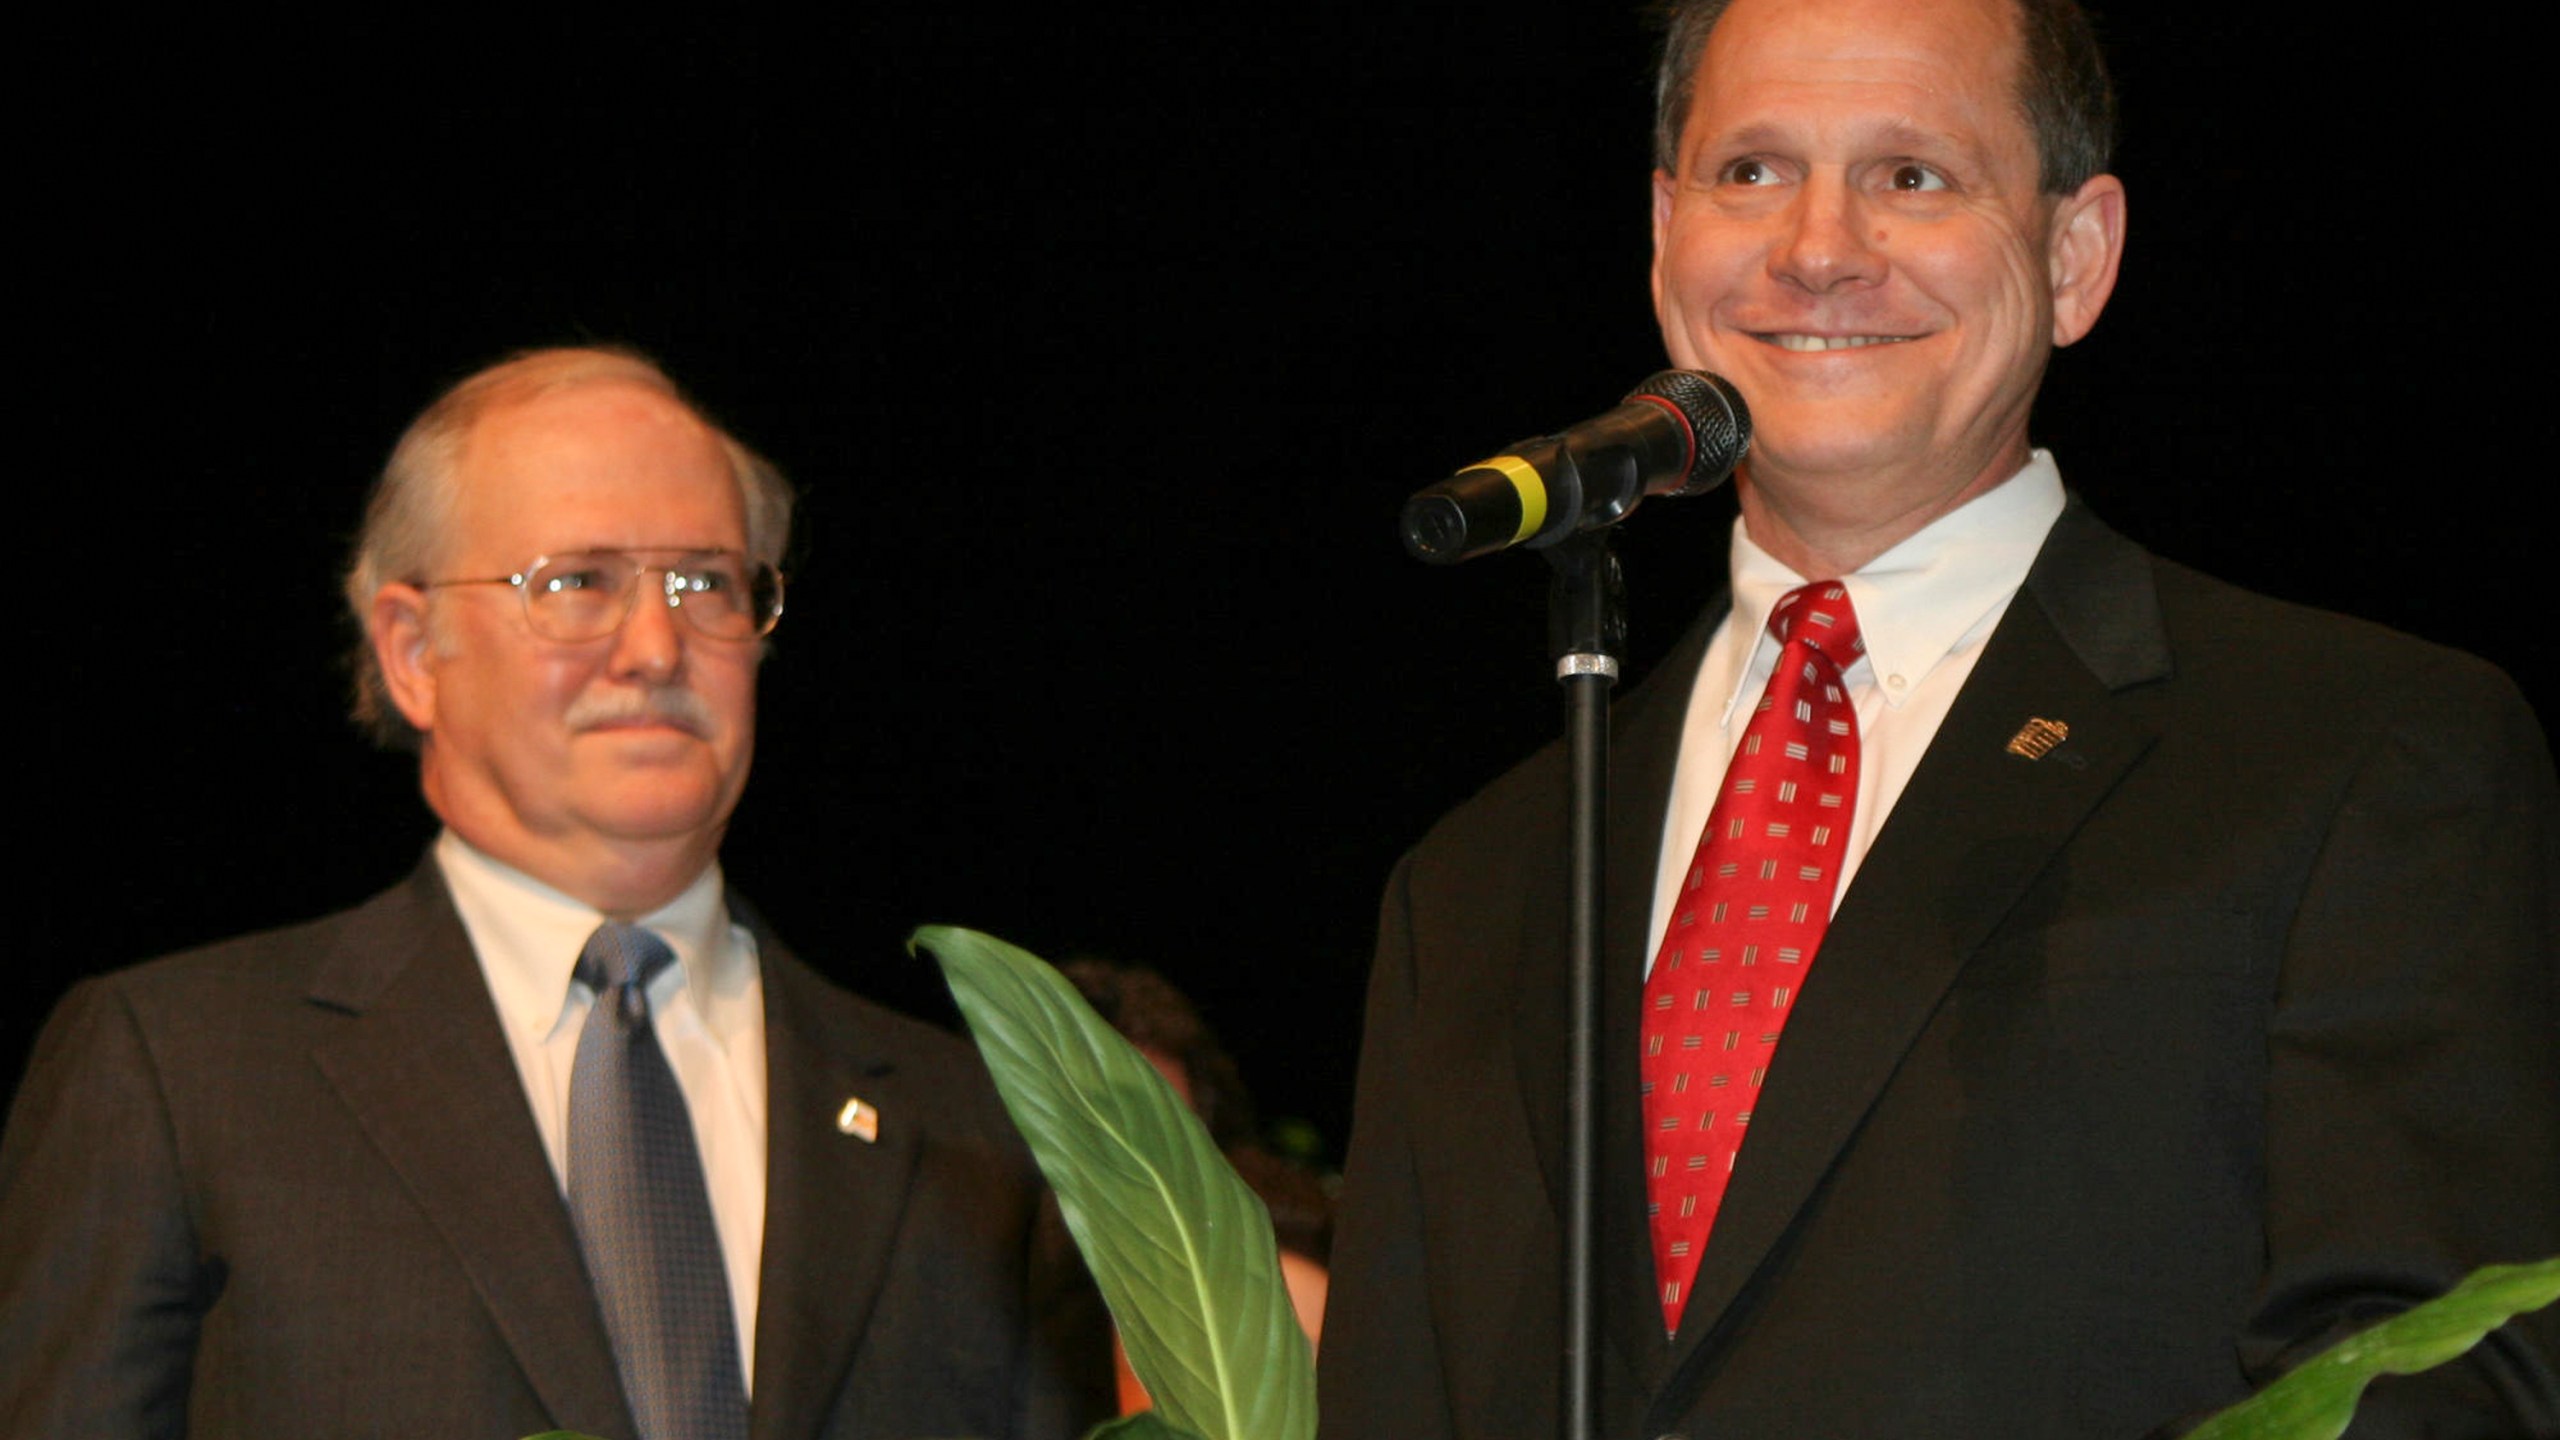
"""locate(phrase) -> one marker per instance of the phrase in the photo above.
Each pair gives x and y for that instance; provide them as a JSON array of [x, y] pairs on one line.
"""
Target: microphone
[[1679, 433]]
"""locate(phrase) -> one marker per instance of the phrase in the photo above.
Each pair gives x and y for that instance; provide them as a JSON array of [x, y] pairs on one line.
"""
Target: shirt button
[[1894, 682]]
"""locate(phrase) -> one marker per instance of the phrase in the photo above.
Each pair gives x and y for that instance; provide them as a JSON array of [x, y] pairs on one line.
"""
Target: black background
[[1105, 346]]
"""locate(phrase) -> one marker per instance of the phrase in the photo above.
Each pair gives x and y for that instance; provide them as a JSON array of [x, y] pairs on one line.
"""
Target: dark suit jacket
[[289, 1186], [2124, 1077]]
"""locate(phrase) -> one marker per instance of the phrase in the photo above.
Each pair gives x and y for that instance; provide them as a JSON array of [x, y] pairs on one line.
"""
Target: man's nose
[[650, 645], [1825, 245]]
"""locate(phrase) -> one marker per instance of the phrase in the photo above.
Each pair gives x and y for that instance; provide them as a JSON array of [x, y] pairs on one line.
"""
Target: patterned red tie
[[1745, 925]]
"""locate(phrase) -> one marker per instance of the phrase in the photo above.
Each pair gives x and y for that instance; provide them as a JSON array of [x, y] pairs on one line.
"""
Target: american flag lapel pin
[[859, 1119]]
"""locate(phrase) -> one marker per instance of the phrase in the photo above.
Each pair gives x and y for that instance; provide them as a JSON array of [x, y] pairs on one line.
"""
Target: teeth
[[1833, 342]]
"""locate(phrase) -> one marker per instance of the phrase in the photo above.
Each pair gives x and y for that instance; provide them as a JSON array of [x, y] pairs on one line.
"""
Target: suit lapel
[[424, 1067], [833, 1202], [1976, 824]]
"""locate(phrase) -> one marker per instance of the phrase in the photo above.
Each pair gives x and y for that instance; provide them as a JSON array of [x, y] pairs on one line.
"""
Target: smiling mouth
[[1810, 343]]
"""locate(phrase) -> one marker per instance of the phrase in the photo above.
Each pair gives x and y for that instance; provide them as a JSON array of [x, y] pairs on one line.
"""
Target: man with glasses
[[548, 1135]]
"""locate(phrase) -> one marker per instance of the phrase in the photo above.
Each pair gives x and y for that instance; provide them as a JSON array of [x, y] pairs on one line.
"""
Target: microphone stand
[[1586, 633]]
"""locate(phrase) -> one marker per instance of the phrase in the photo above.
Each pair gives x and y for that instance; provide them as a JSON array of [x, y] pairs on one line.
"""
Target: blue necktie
[[643, 1215]]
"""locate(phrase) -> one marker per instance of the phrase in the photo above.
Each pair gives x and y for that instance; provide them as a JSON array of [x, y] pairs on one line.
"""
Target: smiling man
[[1855, 227], [552, 1134], [2047, 992]]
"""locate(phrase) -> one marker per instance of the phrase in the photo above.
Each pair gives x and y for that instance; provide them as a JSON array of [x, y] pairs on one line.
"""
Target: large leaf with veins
[[1181, 1248]]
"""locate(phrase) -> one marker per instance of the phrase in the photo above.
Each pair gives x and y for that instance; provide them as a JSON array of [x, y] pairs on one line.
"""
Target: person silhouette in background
[[1166, 1028]]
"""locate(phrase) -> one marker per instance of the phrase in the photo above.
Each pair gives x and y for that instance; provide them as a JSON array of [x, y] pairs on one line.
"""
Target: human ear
[[1663, 188], [2086, 243], [397, 628]]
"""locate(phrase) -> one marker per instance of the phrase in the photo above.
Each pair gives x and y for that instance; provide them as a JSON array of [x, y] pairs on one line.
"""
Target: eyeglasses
[[587, 596]]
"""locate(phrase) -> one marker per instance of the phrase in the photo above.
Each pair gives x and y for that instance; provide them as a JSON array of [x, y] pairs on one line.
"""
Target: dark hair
[[1145, 1008], [1152, 1015], [2063, 91]]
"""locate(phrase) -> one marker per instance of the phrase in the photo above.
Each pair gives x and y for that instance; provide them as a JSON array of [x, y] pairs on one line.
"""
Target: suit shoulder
[[1506, 828], [878, 1027], [2363, 674], [1528, 788], [1525, 804], [932, 1063], [2197, 606], [1519, 815], [281, 961]]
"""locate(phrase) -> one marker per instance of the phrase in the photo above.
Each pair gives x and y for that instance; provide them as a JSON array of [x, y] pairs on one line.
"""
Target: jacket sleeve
[[2413, 1102], [100, 1289], [1380, 1369], [1066, 1385]]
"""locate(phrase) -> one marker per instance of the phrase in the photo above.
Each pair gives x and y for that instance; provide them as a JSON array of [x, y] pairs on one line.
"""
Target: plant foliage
[[2315, 1400], [1145, 1425], [1181, 1248]]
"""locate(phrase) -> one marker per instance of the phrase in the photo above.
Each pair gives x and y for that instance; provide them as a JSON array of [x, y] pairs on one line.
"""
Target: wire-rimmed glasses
[[588, 595]]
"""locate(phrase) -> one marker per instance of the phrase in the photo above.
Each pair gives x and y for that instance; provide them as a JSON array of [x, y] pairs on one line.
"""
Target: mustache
[[661, 704]]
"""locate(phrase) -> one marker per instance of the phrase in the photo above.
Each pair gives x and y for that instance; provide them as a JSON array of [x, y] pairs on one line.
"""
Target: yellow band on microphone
[[1532, 491]]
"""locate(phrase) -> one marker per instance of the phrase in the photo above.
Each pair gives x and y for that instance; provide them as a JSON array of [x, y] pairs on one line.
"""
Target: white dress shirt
[[1924, 608], [707, 1010]]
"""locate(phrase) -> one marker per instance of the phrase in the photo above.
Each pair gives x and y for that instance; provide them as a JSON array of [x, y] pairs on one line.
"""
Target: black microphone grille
[[1719, 421]]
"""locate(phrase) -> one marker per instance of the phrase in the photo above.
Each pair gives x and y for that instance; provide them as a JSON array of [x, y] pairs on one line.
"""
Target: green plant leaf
[[2317, 1399], [1181, 1248], [1145, 1425]]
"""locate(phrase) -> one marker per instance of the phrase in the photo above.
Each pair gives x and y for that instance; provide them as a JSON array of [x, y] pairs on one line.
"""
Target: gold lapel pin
[[2037, 737], [859, 1120]]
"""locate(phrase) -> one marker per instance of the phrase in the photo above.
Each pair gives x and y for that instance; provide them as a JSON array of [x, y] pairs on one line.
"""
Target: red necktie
[[1745, 926]]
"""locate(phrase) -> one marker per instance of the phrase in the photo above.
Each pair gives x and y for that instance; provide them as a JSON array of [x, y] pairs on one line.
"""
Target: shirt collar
[[1920, 601], [529, 935]]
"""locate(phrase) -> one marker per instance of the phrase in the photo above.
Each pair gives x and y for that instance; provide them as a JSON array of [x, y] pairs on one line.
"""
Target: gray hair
[[409, 515], [2063, 91]]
